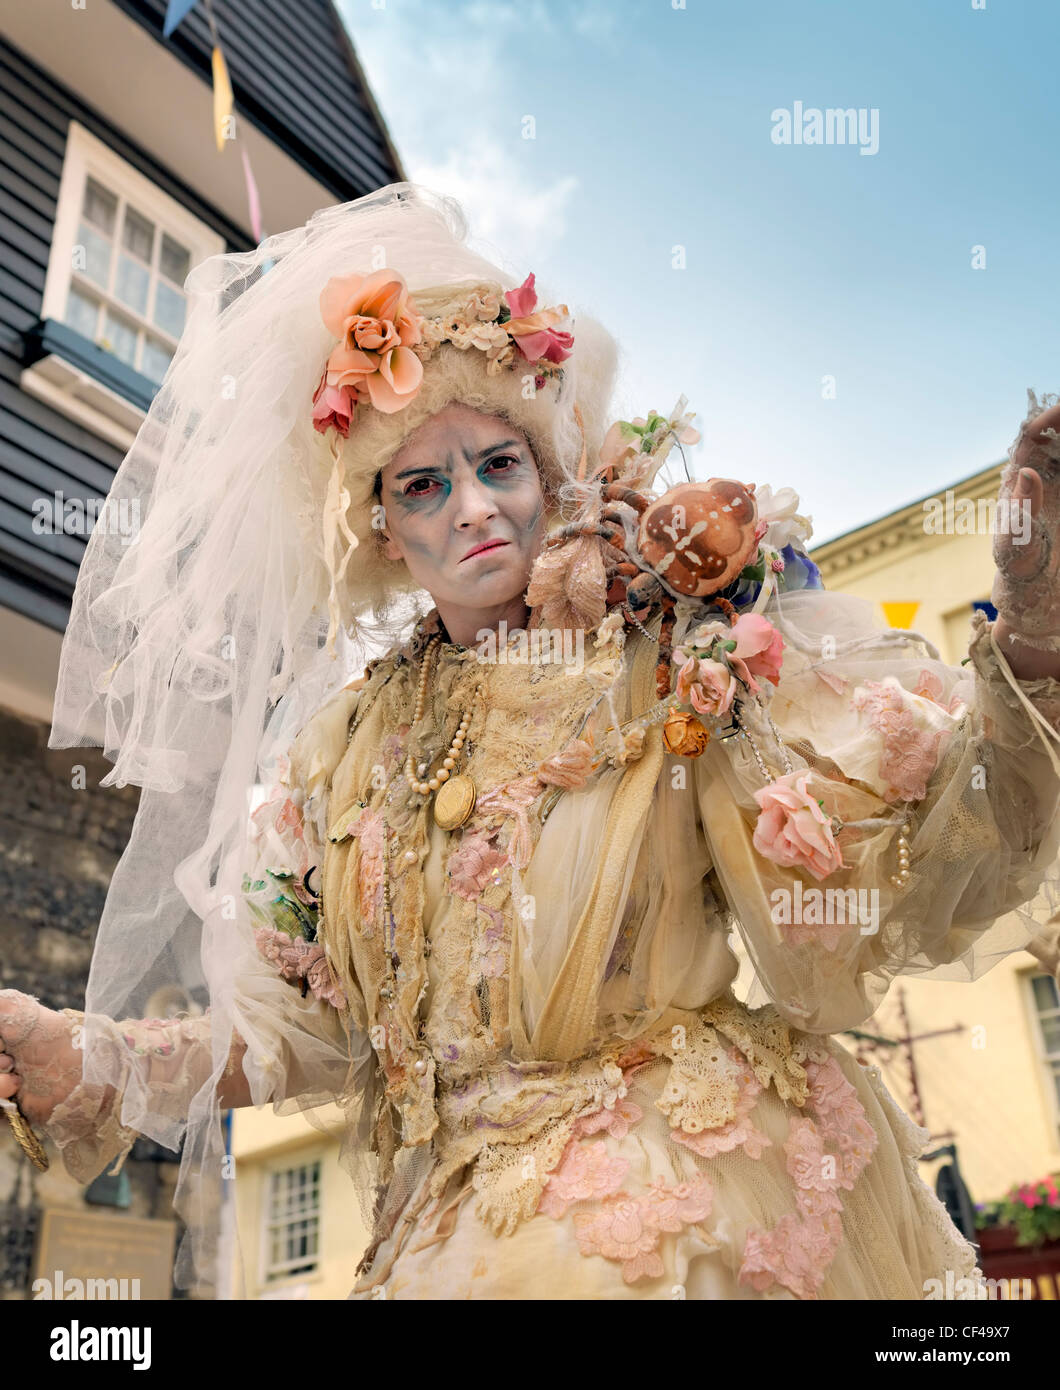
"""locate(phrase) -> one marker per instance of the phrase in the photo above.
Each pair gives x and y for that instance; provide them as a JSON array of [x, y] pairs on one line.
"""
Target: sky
[[862, 327]]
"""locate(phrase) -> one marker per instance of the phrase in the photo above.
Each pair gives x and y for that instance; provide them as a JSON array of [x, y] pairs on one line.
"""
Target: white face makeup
[[466, 512]]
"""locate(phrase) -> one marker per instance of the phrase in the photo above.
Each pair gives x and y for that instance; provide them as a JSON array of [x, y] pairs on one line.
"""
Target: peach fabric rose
[[792, 829], [377, 327]]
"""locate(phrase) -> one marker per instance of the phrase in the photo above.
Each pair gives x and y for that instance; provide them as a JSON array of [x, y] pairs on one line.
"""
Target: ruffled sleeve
[[304, 1032], [285, 1024], [934, 851]]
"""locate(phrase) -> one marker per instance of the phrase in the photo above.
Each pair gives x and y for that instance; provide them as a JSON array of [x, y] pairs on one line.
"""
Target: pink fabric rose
[[333, 407], [792, 830], [532, 328], [759, 650]]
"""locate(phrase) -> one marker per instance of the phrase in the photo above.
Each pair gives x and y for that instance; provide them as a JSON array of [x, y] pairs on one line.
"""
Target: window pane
[[169, 309], [95, 260], [1051, 1034], [130, 283], [138, 235], [176, 260], [156, 360], [1046, 994], [82, 313], [99, 207], [120, 336]]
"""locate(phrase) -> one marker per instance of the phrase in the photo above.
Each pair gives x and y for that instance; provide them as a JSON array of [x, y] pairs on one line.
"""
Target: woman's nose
[[475, 505]]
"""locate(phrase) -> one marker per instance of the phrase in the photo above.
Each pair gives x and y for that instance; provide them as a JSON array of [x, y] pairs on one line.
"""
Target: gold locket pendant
[[454, 801]]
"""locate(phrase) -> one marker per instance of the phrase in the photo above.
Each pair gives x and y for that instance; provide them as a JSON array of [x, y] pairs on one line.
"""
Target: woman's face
[[465, 509]]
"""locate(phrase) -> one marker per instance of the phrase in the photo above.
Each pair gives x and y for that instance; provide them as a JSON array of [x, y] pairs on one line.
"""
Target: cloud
[[518, 216], [450, 112]]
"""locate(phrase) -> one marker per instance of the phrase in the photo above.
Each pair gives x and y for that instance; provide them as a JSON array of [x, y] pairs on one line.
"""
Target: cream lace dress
[[591, 1112]]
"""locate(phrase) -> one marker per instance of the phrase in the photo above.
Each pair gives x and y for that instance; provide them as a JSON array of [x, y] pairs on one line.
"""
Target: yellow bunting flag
[[222, 99], [899, 614]]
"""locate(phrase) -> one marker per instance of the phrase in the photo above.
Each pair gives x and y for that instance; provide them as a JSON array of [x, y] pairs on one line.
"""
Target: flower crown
[[384, 341]]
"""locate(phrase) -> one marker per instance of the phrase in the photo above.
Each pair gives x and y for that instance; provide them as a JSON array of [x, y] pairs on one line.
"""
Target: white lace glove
[[1026, 590]]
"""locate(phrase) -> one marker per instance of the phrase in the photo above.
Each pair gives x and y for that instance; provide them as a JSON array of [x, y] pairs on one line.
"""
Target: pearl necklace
[[462, 800]]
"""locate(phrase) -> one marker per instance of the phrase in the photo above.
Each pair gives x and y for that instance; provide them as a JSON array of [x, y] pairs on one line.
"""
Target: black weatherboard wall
[[41, 450], [295, 76]]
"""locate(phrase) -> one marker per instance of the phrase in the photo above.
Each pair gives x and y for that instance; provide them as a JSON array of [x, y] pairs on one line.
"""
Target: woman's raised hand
[[40, 1061], [1026, 547]]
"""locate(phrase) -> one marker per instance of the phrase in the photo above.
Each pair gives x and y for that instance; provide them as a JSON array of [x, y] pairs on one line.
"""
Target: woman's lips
[[483, 548]]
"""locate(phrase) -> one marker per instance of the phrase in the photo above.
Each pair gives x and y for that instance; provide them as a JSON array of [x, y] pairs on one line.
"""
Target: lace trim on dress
[[825, 1154]]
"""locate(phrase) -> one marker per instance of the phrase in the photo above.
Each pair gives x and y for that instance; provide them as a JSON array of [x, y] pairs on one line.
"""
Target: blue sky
[[654, 129]]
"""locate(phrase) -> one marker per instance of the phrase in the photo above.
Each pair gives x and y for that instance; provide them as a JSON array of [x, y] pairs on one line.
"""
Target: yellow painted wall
[[263, 1141]]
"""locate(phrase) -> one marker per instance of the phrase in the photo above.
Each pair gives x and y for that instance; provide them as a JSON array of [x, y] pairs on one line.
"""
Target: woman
[[487, 903]]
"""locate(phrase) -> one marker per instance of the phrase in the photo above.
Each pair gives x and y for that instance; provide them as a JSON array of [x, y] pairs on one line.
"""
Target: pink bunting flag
[[253, 201]]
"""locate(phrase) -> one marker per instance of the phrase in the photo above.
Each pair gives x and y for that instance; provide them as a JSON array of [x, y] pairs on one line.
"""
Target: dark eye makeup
[[426, 483]]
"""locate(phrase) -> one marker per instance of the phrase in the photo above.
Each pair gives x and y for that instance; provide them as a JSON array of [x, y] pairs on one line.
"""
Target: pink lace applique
[[586, 1172], [739, 1131], [475, 864], [909, 754], [795, 1253], [824, 1154], [615, 1121], [297, 959], [369, 830], [628, 1229], [929, 685]]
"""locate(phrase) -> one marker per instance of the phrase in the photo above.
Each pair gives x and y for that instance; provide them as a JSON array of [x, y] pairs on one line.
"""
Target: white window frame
[[60, 383], [273, 1276], [1047, 1060]]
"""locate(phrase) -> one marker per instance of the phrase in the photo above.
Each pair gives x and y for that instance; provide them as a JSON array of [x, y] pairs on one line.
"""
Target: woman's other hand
[[40, 1061]]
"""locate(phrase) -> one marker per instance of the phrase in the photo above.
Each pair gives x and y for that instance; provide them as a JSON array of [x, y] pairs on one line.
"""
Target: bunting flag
[[253, 201], [899, 614], [222, 97], [176, 10]]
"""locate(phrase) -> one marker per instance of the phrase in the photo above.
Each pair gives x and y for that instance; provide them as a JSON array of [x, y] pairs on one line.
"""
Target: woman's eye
[[503, 463], [420, 487]]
